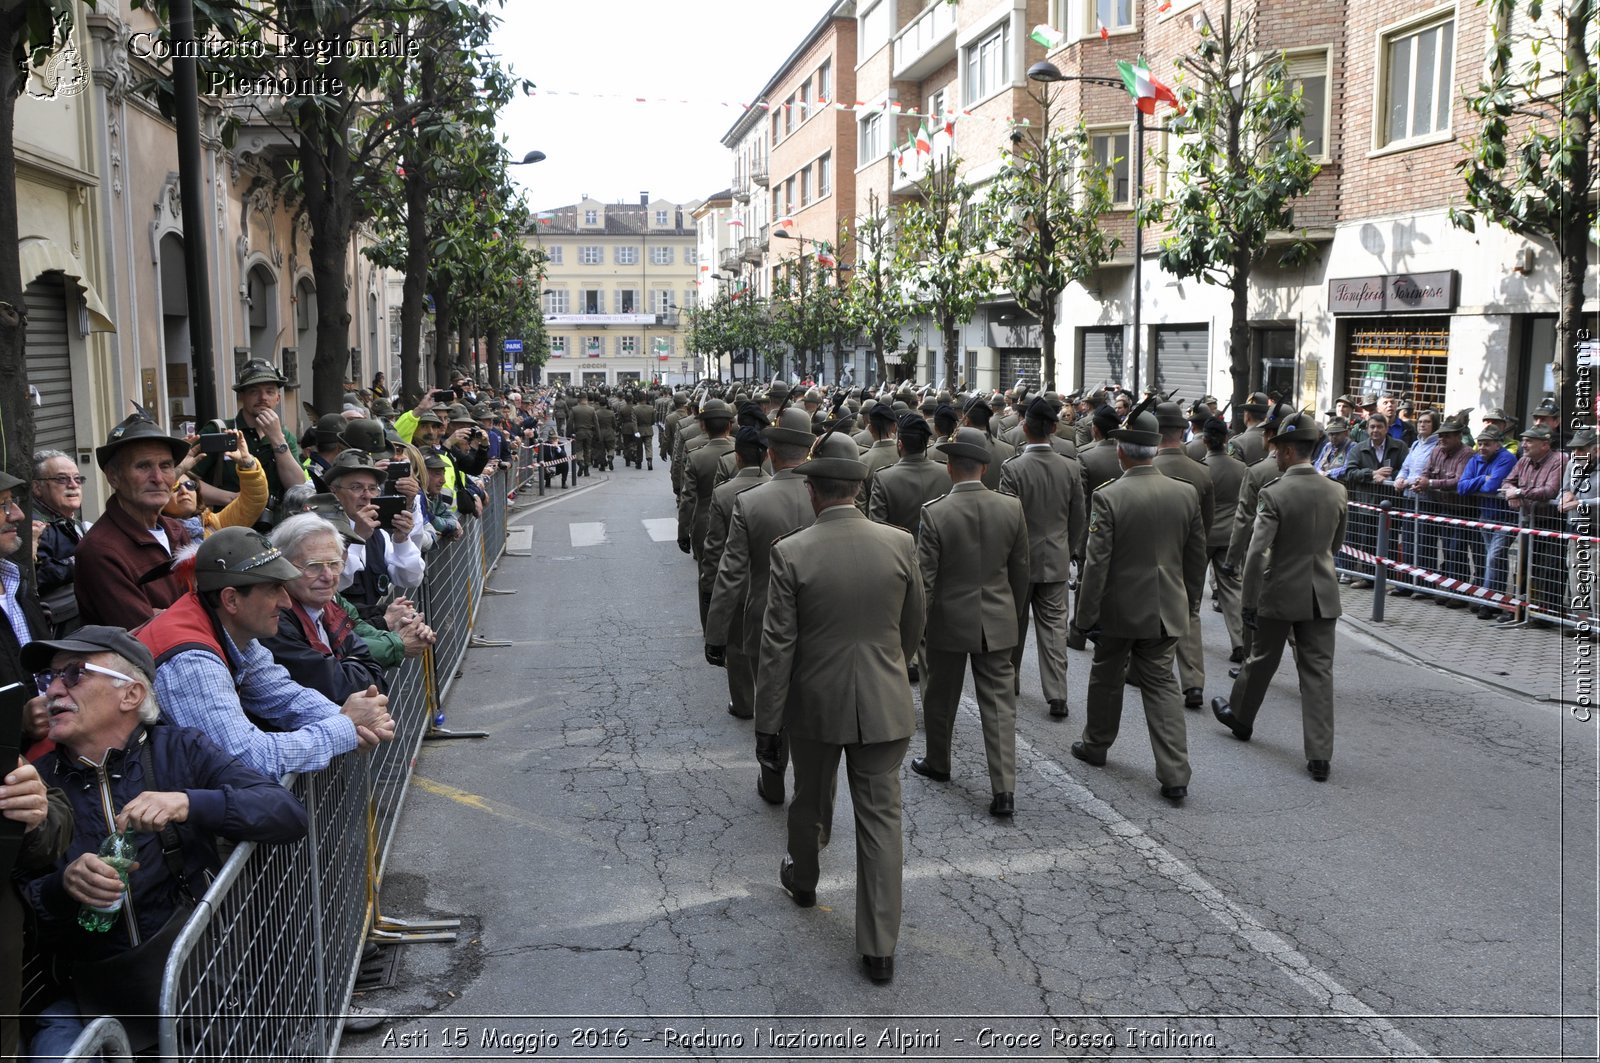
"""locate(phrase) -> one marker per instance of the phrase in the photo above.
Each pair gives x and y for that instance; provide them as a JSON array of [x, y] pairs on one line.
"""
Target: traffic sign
[[513, 346]]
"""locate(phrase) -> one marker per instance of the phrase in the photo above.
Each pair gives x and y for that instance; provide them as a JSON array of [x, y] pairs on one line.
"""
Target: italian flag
[[924, 144], [1048, 36], [825, 260], [1145, 89]]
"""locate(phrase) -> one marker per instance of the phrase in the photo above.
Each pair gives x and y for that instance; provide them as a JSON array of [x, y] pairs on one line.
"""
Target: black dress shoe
[[912, 673], [1237, 656], [879, 968], [769, 784], [1224, 714], [1194, 698], [1233, 673], [736, 714], [1002, 805], [804, 898], [1058, 708], [1081, 751], [1175, 794], [1318, 769], [920, 766]]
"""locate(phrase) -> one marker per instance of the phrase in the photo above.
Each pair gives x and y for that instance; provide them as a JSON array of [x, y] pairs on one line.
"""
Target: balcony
[[751, 250], [758, 172], [730, 259], [740, 186], [927, 44]]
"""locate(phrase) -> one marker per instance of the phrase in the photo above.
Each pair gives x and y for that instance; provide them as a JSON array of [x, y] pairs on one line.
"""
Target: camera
[[216, 443]]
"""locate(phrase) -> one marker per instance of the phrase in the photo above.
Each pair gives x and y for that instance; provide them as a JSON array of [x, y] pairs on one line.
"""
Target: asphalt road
[[617, 874]]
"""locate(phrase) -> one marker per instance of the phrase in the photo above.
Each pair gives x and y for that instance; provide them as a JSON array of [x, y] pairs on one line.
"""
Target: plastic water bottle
[[120, 852]]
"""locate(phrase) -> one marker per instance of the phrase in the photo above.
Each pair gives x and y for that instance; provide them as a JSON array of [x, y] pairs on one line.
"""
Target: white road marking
[[587, 533], [1330, 996], [662, 529]]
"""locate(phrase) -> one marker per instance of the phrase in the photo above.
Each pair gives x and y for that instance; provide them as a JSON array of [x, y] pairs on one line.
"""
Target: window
[[825, 175], [591, 217], [627, 255], [594, 346], [660, 300], [661, 256], [805, 186], [775, 128], [591, 255], [788, 196], [1112, 14], [626, 300], [936, 110], [870, 138], [554, 251], [663, 217], [825, 81], [628, 346], [558, 346], [690, 256], [591, 301], [555, 301], [1416, 81], [874, 29], [805, 101], [1308, 71], [988, 66], [788, 116], [1110, 152]]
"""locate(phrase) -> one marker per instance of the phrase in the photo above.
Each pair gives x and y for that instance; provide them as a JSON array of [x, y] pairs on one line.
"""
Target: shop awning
[[41, 255]]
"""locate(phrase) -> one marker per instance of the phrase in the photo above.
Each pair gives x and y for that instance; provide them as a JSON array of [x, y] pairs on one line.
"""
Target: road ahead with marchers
[[618, 874]]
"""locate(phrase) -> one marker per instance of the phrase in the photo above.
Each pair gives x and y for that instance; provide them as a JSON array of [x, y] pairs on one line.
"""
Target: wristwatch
[[281, 448]]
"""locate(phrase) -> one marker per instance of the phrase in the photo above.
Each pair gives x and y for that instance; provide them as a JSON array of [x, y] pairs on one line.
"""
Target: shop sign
[[1394, 293]]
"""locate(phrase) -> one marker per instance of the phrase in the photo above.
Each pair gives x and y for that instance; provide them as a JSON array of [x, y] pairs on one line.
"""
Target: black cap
[[913, 424], [1042, 409], [1105, 418], [95, 638], [9, 482], [749, 436]]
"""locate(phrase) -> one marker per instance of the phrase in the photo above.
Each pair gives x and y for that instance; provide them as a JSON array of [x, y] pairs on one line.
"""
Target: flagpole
[[1138, 244]]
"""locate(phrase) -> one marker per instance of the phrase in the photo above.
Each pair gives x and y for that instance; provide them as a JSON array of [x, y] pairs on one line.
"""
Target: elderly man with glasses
[[21, 619], [58, 528]]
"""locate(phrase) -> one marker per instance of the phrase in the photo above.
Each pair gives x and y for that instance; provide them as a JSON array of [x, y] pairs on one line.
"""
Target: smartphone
[[389, 507], [397, 471], [444, 394], [216, 443]]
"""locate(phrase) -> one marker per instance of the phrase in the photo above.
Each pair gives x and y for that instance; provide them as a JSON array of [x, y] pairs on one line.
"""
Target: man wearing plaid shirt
[[213, 675]]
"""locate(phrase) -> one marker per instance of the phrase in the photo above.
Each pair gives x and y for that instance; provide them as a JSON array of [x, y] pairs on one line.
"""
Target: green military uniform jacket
[[1256, 477], [1050, 487], [1249, 446], [882, 454], [901, 490], [999, 452], [1145, 559], [1100, 465], [1300, 523], [760, 515], [973, 556], [1177, 465], [1227, 478], [722, 498], [699, 479]]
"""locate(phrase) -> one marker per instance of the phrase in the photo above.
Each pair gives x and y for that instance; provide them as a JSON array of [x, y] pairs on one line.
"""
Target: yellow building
[[620, 279]]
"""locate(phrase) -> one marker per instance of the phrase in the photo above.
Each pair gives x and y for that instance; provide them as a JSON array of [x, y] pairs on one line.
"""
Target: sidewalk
[[1523, 660]]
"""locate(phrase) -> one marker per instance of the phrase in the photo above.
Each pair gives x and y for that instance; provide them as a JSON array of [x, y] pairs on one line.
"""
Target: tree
[[807, 311], [876, 302], [1047, 207], [29, 30], [1240, 166], [1531, 168], [940, 252]]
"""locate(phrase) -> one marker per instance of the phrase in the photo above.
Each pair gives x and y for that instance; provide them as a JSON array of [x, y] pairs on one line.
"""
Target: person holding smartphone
[[386, 554], [247, 505]]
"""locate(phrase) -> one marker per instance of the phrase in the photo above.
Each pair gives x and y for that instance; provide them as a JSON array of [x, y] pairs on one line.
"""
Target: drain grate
[[378, 968]]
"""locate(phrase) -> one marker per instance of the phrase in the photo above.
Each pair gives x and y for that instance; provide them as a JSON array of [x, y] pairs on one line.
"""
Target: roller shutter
[[1182, 361], [50, 363]]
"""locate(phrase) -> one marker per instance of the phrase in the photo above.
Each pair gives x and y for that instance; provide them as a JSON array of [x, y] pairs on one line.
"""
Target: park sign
[[512, 346]]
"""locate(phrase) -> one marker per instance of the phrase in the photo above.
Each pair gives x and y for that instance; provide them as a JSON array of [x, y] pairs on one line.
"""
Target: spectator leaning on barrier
[[1481, 479], [1580, 495], [1531, 488], [123, 768], [1378, 460], [316, 640], [380, 559], [1335, 450], [1439, 480], [132, 539], [58, 528], [215, 675]]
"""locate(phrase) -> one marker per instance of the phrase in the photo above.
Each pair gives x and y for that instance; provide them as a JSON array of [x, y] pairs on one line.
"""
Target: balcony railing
[[751, 250], [731, 258], [927, 44], [758, 171]]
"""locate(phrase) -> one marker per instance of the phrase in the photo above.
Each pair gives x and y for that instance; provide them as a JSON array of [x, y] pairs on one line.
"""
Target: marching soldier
[[882, 423], [899, 491], [605, 432], [1050, 487], [748, 451], [845, 614], [1099, 456], [1250, 446], [976, 413], [1290, 586], [1143, 574], [973, 553], [585, 432], [699, 477], [644, 416], [739, 595], [1256, 477], [689, 429], [1171, 461], [628, 432], [1227, 477]]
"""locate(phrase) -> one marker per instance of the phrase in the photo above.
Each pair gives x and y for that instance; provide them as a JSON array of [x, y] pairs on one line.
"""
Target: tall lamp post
[[1047, 73]]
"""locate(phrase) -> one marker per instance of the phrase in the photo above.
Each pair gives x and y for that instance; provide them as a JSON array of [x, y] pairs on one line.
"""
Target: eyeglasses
[[358, 488], [186, 485], [63, 480], [321, 568], [73, 674]]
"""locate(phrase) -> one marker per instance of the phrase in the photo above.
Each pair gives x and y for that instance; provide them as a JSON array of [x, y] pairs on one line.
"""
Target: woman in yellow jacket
[[243, 511]]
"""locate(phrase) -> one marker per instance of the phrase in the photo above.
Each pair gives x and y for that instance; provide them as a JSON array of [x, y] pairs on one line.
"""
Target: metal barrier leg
[[389, 931], [1380, 570]]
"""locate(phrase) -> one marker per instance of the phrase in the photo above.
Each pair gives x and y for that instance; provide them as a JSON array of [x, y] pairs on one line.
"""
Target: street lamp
[[529, 159], [1047, 73]]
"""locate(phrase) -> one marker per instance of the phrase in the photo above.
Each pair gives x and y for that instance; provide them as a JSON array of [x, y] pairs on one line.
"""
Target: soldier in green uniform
[[883, 422], [1256, 477], [605, 420], [644, 417], [1143, 575], [1290, 586], [699, 477], [585, 434], [1172, 461], [899, 491], [844, 615], [1250, 446], [260, 391], [976, 413], [1227, 478], [749, 449], [973, 553]]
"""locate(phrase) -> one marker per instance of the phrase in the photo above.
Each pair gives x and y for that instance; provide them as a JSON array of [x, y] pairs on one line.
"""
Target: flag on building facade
[[1144, 88], [1048, 36], [924, 144]]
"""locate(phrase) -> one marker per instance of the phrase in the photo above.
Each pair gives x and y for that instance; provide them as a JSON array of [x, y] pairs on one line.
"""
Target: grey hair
[[1136, 452], [149, 711], [41, 457], [292, 533], [298, 496]]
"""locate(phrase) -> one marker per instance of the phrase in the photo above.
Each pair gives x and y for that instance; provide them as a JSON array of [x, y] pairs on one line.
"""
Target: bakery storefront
[[1394, 334]]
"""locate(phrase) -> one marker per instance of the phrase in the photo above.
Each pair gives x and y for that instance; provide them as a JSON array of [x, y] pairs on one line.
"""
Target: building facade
[[620, 277]]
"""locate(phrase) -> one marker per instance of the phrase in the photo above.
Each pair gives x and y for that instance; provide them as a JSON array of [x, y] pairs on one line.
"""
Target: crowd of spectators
[[232, 615]]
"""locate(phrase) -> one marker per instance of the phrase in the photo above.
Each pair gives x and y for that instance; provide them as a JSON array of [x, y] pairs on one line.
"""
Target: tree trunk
[[443, 319], [878, 360], [1047, 360], [952, 341], [493, 353], [1239, 358], [464, 344], [330, 203], [16, 431]]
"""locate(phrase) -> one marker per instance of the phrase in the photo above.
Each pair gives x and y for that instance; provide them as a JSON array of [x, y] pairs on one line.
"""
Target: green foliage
[[877, 304], [1046, 209], [808, 311]]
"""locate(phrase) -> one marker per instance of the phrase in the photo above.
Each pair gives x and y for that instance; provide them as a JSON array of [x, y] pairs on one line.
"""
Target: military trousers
[[873, 772], [1228, 588], [1148, 662], [1048, 603], [741, 670], [1191, 655], [993, 679], [1313, 645], [585, 450]]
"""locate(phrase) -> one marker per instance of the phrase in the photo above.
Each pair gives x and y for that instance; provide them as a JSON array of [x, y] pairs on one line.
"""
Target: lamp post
[[1047, 73], [529, 159]]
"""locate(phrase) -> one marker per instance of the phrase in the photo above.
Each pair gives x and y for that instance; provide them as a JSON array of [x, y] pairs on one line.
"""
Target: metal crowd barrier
[[266, 966], [1475, 549]]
